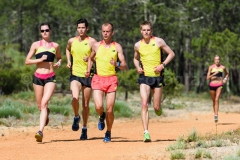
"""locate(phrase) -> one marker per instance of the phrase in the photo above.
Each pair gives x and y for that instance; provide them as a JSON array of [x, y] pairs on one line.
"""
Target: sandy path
[[127, 134]]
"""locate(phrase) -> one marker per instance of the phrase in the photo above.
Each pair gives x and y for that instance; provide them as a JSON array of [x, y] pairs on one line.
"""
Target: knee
[[85, 106], [157, 106], [39, 106], [216, 100], [144, 105], [109, 110], [43, 106], [75, 99]]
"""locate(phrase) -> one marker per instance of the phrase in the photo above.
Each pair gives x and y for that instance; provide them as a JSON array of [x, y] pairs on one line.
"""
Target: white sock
[[146, 131], [84, 127]]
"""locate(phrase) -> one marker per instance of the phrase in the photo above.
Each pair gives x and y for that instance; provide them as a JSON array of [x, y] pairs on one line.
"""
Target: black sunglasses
[[47, 30]]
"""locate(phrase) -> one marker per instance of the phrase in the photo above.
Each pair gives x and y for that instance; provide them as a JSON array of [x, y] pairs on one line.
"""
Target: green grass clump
[[207, 154], [27, 95], [179, 144], [121, 109], [238, 153], [6, 112], [202, 144], [192, 136], [198, 153], [177, 155], [231, 157], [63, 110]]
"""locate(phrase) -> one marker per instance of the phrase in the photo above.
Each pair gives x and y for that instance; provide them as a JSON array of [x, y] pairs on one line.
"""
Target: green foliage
[[202, 144], [238, 153], [9, 111], [192, 136], [128, 80], [207, 154], [198, 153], [231, 157], [59, 109], [179, 144], [177, 155], [172, 87], [25, 95], [122, 110]]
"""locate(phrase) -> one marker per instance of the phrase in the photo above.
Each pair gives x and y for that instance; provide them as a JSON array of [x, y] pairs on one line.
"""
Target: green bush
[[177, 155], [63, 110], [6, 112], [122, 110]]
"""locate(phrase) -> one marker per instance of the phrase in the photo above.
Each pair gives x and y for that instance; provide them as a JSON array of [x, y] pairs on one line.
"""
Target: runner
[[104, 82], [44, 80], [150, 67], [77, 52], [215, 75]]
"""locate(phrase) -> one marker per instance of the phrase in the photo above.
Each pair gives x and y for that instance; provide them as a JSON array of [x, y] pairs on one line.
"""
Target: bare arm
[[68, 52], [58, 56], [226, 75], [92, 41], [91, 59], [121, 58], [136, 58], [168, 50], [31, 52]]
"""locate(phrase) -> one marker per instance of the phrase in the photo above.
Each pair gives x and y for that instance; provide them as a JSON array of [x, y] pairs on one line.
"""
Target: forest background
[[196, 30]]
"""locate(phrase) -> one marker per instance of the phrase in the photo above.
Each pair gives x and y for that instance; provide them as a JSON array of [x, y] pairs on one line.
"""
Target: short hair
[[146, 23], [106, 24], [216, 56], [82, 20], [45, 24]]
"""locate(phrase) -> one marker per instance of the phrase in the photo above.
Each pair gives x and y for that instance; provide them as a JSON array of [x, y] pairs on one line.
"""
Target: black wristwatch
[[164, 65]]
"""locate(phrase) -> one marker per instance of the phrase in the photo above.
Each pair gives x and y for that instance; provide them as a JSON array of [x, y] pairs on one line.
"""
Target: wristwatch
[[164, 65]]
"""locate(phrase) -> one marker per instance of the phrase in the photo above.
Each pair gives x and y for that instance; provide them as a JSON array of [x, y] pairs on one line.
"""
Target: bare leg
[[110, 100], [75, 87], [144, 92], [157, 97], [213, 96], [86, 94], [48, 91], [98, 100], [216, 106]]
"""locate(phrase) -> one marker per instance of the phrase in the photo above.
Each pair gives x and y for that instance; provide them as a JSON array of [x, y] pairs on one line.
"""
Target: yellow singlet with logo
[[103, 57], [79, 50], [150, 57]]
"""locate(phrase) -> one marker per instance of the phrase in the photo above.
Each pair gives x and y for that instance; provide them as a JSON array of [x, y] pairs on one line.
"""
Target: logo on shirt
[[153, 44], [113, 50], [85, 44]]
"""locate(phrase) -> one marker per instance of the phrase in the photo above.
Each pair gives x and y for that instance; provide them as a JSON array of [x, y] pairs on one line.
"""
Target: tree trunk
[[202, 78], [20, 28], [181, 59], [186, 66]]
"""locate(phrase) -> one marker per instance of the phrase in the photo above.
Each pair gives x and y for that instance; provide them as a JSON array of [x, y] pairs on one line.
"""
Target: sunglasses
[[47, 30]]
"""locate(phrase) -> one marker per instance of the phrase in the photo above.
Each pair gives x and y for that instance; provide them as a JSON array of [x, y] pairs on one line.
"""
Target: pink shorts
[[105, 84]]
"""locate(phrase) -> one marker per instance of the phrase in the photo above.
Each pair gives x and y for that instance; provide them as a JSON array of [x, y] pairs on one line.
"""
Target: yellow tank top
[[150, 57], [103, 57], [79, 50]]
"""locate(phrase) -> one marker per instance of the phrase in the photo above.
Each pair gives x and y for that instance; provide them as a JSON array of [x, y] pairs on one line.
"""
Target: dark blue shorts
[[153, 82], [42, 82], [84, 81]]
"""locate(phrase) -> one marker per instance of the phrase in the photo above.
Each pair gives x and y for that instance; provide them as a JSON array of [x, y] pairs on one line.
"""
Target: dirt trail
[[127, 134]]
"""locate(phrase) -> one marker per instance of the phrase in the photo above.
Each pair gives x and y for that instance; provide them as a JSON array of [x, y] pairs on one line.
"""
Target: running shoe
[[146, 137], [159, 112], [84, 134], [107, 137], [39, 136], [101, 123], [215, 118], [47, 121], [75, 125]]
